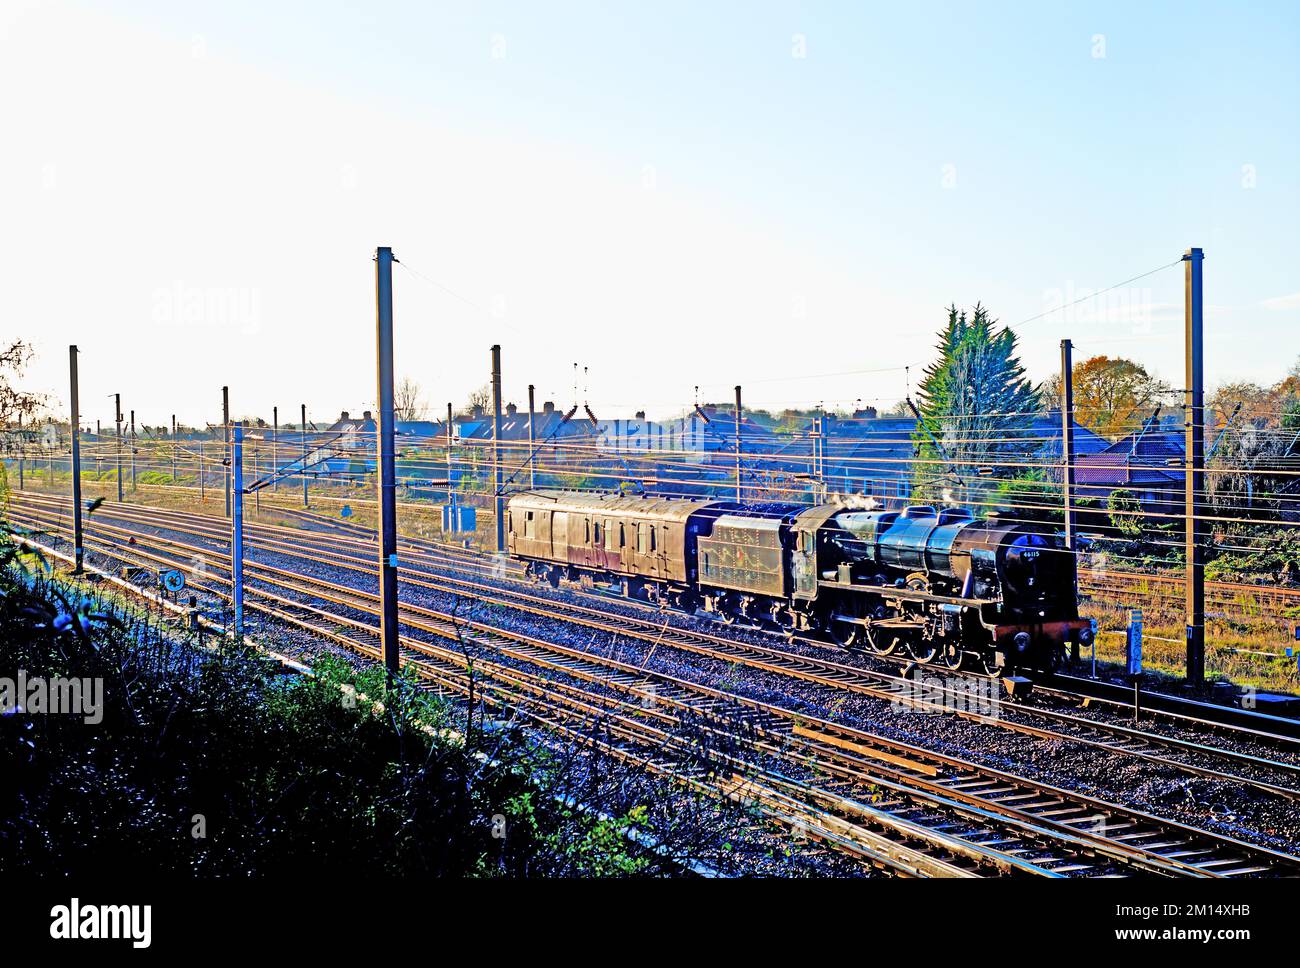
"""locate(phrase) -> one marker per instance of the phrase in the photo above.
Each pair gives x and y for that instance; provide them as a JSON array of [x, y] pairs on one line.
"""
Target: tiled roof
[[1115, 470], [1149, 446]]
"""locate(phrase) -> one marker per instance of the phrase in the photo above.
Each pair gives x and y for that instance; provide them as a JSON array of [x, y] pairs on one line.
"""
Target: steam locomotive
[[934, 584]]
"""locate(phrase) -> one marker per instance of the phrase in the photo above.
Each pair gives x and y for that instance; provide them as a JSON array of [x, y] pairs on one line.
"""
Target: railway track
[[592, 720], [1176, 709], [1154, 589], [934, 694], [1059, 831], [1111, 581]]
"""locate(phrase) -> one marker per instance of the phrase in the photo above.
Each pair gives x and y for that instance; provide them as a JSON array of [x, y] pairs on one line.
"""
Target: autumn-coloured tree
[[1111, 394], [1257, 439], [1249, 404]]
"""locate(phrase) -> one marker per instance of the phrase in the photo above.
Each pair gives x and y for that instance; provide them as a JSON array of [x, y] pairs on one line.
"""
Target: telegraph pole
[[202, 482], [175, 445], [738, 485], [237, 531], [450, 502], [532, 441], [77, 549], [133, 450], [275, 447], [117, 407], [304, 455], [498, 503], [225, 424], [1194, 485], [1067, 437], [819, 423], [1067, 458], [387, 462]]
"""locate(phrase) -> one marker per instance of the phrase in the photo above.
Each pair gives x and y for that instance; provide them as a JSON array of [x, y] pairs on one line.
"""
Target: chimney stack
[[548, 407], [366, 415], [343, 415], [511, 409]]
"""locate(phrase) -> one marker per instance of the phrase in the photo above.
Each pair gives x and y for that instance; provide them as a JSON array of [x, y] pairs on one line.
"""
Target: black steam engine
[[935, 585]]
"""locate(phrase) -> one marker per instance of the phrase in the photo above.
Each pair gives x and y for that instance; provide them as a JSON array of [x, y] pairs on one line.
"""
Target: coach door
[[649, 553], [560, 536], [596, 551], [602, 542]]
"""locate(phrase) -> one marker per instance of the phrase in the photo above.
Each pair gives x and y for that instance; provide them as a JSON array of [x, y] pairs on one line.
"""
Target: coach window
[[622, 537], [640, 538], [530, 526], [595, 534], [652, 537], [609, 535]]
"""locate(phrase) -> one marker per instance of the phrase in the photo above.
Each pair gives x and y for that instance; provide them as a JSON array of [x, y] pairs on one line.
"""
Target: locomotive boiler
[[937, 585]]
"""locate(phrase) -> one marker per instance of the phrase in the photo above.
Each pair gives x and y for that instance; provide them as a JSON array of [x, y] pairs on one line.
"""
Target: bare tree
[[479, 398], [16, 403], [407, 403]]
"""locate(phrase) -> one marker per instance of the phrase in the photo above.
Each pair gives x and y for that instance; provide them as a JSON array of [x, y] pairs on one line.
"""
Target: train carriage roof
[[657, 508]]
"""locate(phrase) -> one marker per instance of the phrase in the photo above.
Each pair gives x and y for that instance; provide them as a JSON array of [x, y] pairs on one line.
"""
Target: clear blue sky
[[666, 192]]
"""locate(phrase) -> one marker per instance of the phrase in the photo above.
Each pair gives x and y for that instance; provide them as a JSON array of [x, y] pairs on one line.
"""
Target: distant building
[[875, 457], [701, 435], [1149, 463]]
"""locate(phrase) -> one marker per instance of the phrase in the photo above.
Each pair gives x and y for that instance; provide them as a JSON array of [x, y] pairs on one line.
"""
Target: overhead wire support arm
[[538, 448]]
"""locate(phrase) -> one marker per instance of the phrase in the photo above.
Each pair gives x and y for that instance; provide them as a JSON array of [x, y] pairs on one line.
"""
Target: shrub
[[213, 762]]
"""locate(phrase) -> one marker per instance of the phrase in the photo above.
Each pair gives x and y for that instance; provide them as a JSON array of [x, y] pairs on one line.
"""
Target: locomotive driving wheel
[[838, 621], [922, 642], [884, 640], [924, 647], [991, 667], [954, 656], [845, 634]]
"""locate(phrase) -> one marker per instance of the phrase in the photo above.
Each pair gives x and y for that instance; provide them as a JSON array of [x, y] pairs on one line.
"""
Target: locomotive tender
[[936, 585]]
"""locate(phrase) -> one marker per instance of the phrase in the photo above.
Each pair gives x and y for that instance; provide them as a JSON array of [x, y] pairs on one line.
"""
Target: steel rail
[[441, 670], [351, 601], [834, 674]]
